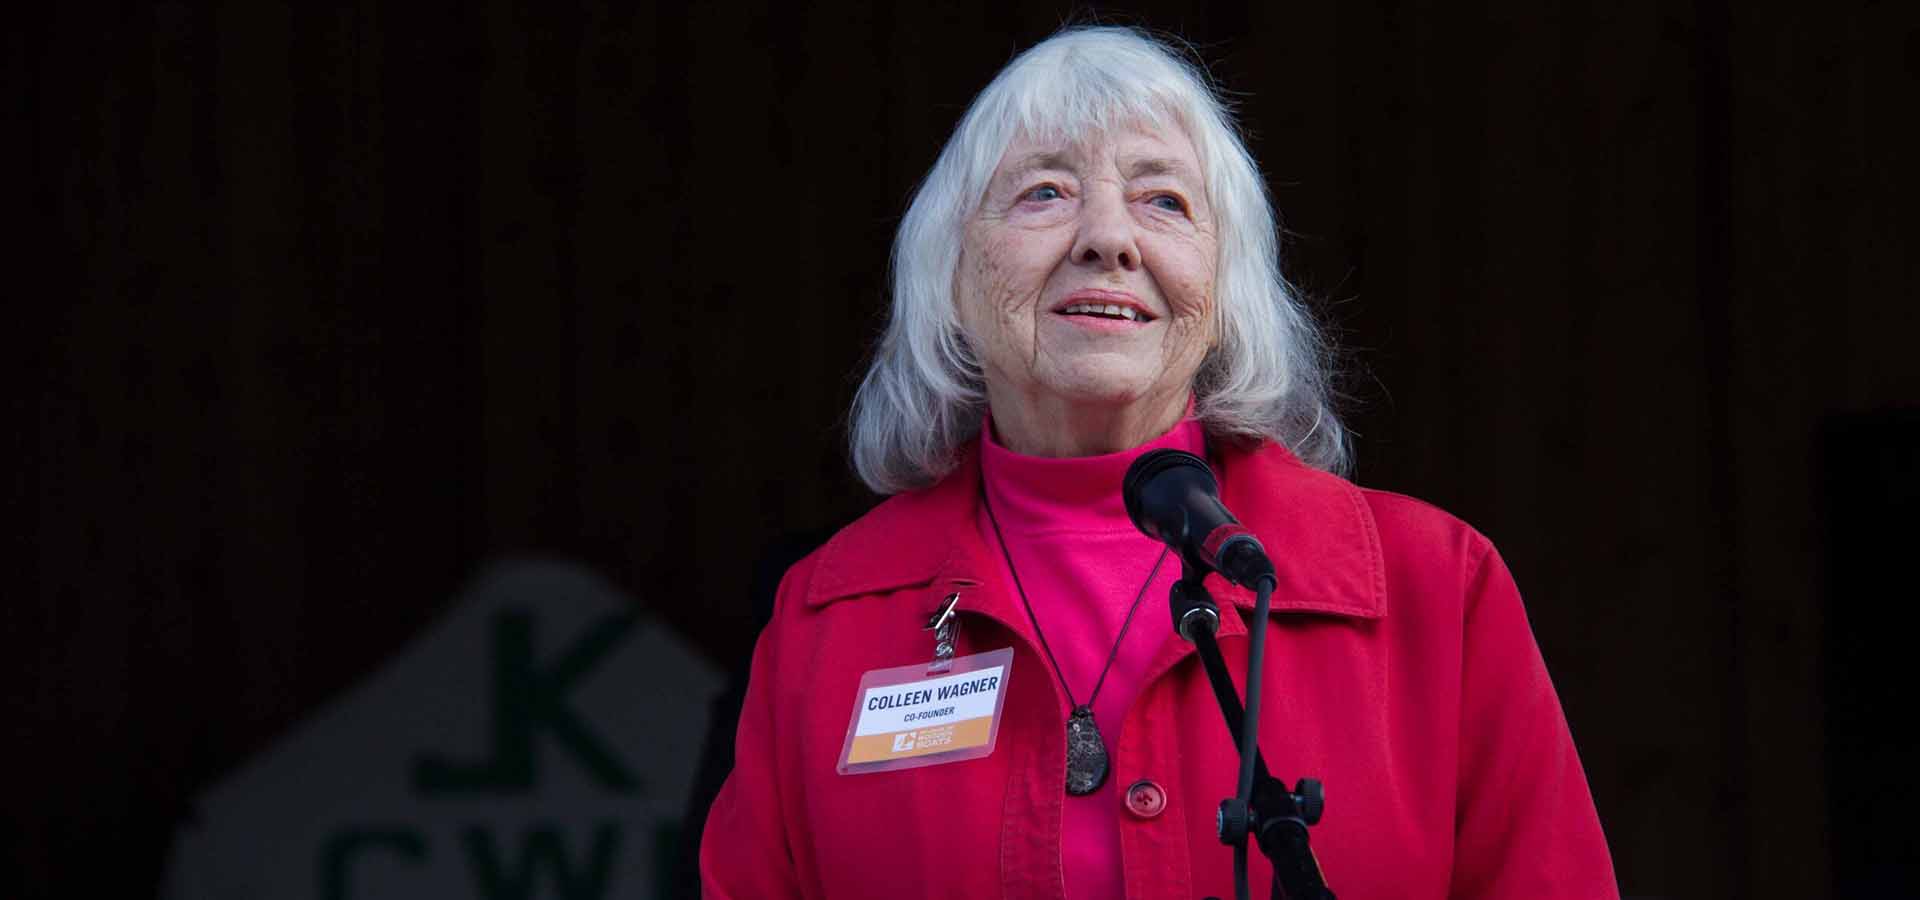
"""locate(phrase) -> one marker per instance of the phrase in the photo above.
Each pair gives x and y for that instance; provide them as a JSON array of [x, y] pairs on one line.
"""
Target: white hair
[[1267, 377]]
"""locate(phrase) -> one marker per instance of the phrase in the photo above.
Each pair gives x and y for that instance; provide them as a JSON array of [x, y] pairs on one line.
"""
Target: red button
[[1146, 799]]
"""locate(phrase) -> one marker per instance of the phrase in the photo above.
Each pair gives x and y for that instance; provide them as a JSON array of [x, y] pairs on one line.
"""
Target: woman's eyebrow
[[1158, 165], [1045, 160], [1040, 161]]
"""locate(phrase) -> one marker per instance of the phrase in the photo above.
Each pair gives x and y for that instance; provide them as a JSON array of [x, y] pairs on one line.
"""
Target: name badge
[[903, 719]]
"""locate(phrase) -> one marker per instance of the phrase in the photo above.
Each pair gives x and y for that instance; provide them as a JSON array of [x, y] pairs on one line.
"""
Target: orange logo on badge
[[903, 741]]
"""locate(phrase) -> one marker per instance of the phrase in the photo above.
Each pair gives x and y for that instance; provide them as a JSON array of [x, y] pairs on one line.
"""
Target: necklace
[[1086, 749]]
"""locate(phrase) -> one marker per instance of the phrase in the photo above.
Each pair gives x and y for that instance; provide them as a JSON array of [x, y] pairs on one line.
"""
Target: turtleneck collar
[[1034, 494]]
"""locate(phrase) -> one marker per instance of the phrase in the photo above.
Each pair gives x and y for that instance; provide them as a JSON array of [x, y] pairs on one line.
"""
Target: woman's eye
[[1169, 202], [1042, 193]]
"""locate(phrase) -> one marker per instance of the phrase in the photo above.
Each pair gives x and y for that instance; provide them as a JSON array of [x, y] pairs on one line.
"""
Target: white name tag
[[902, 719]]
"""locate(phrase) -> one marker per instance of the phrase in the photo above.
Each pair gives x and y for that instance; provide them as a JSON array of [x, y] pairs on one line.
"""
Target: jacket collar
[[1316, 526]]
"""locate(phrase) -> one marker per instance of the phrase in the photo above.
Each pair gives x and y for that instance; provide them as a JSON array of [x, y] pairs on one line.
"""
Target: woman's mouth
[[1104, 311], [1111, 306]]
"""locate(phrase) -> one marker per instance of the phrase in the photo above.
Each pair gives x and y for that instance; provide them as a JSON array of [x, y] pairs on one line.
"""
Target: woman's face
[[1087, 276]]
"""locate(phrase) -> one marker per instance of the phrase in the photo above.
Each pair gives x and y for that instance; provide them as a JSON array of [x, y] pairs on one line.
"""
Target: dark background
[[326, 305]]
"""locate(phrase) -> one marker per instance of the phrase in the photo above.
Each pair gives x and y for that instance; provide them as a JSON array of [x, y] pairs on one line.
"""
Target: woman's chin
[[1116, 390]]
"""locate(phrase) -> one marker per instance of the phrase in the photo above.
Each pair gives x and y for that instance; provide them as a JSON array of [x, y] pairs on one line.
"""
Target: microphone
[[1172, 497]]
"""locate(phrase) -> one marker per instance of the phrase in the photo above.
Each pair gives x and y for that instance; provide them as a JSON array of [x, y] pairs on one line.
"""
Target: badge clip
[[945, 625]]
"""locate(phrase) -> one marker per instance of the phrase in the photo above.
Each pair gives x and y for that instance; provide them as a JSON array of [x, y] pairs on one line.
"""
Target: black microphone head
[[1154, 487], [1173, 498]]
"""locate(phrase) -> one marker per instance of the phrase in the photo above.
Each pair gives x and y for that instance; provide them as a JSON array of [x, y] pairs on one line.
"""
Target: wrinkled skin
[[1126, 214]]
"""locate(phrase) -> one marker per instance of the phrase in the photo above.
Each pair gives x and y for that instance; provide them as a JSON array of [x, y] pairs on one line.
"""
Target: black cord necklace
[[1086, 749]]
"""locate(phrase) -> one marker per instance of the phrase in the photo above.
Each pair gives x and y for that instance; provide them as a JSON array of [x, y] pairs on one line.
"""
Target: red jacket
[[1399, 670]]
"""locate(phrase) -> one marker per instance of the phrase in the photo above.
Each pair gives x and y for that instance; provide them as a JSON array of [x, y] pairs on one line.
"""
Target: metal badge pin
[[943, 624]]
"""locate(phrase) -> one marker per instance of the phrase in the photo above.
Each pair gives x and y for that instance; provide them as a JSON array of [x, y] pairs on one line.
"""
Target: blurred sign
[[539, 741]]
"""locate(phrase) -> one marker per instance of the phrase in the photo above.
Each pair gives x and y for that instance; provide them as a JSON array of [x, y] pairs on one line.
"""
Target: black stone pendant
[[1086, 753]]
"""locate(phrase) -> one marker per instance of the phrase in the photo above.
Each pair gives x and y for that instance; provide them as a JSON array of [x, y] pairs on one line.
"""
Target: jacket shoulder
[[1411, 518], [1417, 536]]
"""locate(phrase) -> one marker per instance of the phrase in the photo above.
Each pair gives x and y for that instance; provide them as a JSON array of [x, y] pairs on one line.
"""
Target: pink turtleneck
[[1082, 563]]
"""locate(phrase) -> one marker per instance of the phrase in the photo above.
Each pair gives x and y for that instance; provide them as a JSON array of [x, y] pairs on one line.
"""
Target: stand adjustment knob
[[1232, 821], [1311, 797]]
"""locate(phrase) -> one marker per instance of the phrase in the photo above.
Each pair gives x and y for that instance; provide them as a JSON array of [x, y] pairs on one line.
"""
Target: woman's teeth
[[1102, 309]]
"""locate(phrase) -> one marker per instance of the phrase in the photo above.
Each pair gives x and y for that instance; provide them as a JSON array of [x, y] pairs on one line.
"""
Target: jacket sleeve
[[744, 851], [1525, 824]]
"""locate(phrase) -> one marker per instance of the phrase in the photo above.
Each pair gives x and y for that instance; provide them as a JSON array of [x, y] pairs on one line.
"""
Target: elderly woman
[[1090, 273]]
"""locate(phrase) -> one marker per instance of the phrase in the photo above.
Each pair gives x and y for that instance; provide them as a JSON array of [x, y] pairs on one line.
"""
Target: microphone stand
[[1263, 808]]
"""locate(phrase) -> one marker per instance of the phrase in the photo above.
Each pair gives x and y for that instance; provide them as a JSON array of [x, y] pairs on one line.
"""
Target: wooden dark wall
[[327, 305]]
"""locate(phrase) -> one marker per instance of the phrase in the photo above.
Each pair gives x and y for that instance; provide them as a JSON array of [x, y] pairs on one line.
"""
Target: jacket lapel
[[1315, 526]]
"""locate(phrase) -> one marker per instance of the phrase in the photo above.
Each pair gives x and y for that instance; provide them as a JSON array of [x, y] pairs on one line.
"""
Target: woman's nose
[[1106, 238]]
